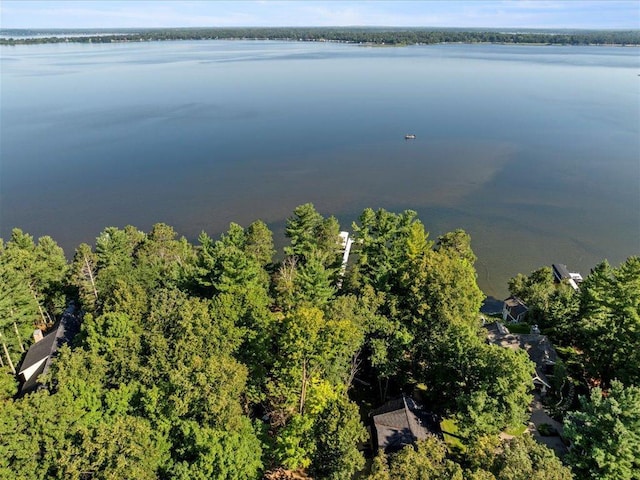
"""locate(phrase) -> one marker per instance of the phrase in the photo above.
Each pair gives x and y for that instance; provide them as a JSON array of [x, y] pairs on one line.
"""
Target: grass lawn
[[516, 431], [518, 327], [450, 431]]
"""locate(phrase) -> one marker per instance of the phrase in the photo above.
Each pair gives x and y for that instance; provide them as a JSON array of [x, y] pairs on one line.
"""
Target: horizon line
[[323, 26]]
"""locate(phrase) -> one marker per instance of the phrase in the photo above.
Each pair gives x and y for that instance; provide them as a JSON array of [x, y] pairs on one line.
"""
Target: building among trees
[[402, 422], [514, 310], [39, 357], [538, 347], [562, 274]]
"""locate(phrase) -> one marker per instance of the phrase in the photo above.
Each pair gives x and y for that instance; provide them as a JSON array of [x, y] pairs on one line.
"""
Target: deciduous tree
[[337, 433]]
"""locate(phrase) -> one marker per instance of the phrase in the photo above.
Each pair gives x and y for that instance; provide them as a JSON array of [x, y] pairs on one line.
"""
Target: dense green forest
[[215, 361], [374, 36]]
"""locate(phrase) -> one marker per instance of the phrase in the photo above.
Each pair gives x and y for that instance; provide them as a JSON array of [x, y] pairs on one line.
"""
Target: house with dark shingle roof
[[538, 347], [562, 274], [514, 310], [402, 422], [39, 357]]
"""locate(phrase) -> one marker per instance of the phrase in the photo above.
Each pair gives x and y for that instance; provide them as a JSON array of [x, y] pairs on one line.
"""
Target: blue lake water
[[533, 150]]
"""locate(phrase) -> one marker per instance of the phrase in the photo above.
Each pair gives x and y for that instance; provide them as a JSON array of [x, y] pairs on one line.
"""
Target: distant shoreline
[[357, 36]]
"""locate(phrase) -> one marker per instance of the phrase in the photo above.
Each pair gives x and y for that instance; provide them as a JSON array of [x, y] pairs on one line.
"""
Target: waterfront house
[[562, 274], [39, 357], [538, 347], [514, 310]]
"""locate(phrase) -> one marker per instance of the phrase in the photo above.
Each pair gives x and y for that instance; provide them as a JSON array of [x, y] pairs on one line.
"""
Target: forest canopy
[[215, 360]]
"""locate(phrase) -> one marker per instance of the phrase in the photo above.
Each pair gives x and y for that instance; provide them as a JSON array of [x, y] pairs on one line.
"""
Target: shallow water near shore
[[533, 150]]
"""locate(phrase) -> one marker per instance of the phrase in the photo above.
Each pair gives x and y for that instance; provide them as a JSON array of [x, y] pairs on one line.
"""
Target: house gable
[[39, 356], [514, 310], [37, 353], [27, 373]]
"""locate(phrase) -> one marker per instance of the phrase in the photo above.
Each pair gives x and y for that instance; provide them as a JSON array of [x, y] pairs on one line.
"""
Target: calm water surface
[[533, 150]]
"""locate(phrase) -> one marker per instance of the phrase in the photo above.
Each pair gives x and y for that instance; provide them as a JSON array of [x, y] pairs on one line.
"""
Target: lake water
[[533, 150]]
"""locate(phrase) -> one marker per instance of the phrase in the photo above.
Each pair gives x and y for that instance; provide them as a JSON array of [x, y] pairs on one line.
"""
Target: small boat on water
[[410, 136]]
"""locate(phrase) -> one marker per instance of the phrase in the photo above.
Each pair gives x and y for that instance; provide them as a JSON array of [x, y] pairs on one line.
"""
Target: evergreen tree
[[259, 243], [608, 330], [605, 434], [309, 232]]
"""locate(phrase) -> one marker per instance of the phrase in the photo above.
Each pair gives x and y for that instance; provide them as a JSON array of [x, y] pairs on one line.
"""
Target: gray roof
[[538, 347], [560, 271], [39, 351], [515, 306], [61, 333], [495, 329], [401, 422]]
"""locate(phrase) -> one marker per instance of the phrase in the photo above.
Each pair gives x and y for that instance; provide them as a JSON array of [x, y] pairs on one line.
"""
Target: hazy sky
[[425, 13]]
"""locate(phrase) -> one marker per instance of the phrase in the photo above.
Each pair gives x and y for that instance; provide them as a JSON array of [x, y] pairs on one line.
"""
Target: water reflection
[[533, 150]]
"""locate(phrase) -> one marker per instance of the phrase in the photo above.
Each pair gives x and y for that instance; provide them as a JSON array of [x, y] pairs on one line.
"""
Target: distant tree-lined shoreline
[[374, 36]]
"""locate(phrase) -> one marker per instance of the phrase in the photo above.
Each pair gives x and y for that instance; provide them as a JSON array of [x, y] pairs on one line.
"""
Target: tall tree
[[222, 266], [426, 460], [605, 434], [115, 257], [188, 356], [84, 271], [301, 229], [312, 359], [310, 232], [50, 274], [41, 268], [381, 238], [485, 386], [116, 248], [338, 431], [259, 243], [313, 282], [457, 243], [379, 468], [608, 331], [551, 305], [18, 307], [162, 258], [522, 458], [440, 290], [203, 453]]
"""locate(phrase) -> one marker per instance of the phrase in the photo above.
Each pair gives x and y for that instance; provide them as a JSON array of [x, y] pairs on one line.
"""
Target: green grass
[[518, 327], [516, 431], [450, 431]]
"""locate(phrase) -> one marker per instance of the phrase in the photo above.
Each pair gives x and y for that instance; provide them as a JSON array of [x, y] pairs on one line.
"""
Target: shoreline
[[381, 36], [100, 40]]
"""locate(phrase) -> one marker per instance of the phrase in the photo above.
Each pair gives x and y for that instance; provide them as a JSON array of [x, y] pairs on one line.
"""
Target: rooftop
[[515, 307], [538, 347], [401, 422], [40, 354], [562, 273]]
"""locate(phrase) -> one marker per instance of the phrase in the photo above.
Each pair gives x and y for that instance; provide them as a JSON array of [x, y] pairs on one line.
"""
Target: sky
[[588, 14]]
